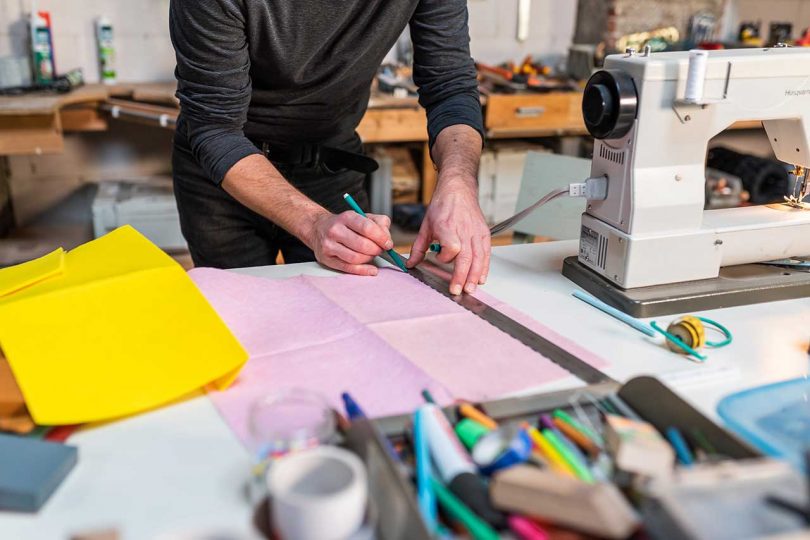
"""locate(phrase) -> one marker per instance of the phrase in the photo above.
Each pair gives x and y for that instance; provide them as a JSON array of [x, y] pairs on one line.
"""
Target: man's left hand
[[455, 221]]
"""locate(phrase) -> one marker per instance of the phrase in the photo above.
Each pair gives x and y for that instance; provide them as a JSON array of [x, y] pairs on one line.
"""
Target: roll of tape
[[319, 493], [502, 448]]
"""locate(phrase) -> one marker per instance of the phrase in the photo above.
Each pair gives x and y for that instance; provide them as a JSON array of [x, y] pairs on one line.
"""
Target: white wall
[[143, 48], [144, 51], [493, 30]]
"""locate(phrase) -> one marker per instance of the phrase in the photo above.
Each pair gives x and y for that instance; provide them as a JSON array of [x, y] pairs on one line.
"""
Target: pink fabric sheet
[[384, 339]]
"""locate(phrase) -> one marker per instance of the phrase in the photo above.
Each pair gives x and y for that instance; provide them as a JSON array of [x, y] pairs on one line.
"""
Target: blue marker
[[681, 448], [394, 255], [424, 471], [354, 412]]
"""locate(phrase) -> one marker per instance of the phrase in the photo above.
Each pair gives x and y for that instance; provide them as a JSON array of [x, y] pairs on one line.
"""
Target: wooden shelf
[[48, 103]]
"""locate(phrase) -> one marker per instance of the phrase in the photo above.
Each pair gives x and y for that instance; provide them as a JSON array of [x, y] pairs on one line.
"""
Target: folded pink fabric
[[384, 339]]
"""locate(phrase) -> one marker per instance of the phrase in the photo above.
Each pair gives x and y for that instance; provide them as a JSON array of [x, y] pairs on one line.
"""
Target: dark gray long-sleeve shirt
[[291, 71]]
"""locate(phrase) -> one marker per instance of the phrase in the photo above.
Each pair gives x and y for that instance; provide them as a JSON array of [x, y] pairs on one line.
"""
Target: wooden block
[[638, 448], [598, 509]]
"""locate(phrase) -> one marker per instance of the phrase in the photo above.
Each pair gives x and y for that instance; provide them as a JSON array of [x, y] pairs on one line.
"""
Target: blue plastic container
[[775, 418]]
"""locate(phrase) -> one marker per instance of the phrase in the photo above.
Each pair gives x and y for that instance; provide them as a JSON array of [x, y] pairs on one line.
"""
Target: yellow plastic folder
[[111, 328]]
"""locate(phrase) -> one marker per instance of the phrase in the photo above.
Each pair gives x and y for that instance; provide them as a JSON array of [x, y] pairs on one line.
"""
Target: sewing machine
[[649, 248]]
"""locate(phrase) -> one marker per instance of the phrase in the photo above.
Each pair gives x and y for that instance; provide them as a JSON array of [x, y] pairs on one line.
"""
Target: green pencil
[[394, 255]]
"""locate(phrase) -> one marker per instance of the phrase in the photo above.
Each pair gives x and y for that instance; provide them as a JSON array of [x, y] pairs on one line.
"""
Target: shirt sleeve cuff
[[238, 149], [459, 109]]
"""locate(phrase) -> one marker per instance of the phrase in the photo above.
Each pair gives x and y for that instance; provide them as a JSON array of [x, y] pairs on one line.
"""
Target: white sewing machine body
[[652, 229]]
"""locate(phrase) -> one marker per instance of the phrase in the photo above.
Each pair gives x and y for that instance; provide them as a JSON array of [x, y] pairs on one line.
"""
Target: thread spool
[[687, 335], [696, 75]]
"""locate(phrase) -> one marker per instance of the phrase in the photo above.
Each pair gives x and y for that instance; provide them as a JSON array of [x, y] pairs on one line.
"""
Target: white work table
[[179, 469]]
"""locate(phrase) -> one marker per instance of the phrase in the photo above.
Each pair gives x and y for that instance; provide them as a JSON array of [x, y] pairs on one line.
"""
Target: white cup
[[317, 494]]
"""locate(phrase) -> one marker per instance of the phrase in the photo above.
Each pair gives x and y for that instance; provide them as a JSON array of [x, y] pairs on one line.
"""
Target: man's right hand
[[348, 242]]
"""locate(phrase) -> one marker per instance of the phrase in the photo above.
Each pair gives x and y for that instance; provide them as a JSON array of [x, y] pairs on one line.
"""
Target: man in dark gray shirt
[[271, 92]]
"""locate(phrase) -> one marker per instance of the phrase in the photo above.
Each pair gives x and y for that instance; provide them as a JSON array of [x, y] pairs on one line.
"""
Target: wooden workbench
[[34, 124]]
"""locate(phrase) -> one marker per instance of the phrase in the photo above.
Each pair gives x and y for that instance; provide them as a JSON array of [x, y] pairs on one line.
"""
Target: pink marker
[[526, 529]]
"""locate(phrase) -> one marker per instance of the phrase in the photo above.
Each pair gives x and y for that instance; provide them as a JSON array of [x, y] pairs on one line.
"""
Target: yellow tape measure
[[689, 330], [687, 335]]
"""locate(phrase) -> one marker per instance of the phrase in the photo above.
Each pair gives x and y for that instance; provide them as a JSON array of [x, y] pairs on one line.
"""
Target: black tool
[[60, 85]]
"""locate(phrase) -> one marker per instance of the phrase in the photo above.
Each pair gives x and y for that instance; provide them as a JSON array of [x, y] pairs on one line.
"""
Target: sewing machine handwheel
[[609, 104]]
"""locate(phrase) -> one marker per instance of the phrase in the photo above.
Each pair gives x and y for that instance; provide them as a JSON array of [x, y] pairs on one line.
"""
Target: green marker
[[470, 432], [477, 527], [581, 469], [394, 255]]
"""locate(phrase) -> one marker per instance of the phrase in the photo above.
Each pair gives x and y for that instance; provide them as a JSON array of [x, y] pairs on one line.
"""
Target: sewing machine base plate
[[736, 286]]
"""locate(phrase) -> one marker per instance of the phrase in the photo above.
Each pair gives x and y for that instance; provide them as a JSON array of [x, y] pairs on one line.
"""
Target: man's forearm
[[257, 184], [457, 152], [454, 218]]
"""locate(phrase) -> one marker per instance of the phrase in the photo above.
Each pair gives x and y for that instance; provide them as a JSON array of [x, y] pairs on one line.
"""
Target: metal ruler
[[511, 327]]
